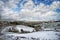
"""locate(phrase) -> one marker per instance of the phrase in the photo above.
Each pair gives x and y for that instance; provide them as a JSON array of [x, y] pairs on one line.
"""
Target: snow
[[40, 35], [18, 27], [37, 35], [25, 28], [5, 30], [49, 29]]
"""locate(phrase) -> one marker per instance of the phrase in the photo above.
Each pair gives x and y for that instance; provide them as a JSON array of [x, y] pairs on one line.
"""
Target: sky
[[29, 10]]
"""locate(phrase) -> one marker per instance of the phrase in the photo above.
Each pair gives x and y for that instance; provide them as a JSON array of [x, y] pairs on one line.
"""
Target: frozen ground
[[17, 27], [40, 35]]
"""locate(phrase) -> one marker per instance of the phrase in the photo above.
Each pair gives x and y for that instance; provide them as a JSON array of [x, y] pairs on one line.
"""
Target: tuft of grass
[[15, 31]]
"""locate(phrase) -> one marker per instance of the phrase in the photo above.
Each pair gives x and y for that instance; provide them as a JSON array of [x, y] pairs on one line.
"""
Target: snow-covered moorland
[[40, 35], [17, 29]]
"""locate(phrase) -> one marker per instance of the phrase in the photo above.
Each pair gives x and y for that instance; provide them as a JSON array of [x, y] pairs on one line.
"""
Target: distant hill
[[2, 23]]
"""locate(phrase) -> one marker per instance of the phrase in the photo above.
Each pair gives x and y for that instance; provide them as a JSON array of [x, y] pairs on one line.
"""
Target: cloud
[[12, 3], [29, 11], [6, 10], [9, 14], [1, 3], [41, 12], [28, 5]]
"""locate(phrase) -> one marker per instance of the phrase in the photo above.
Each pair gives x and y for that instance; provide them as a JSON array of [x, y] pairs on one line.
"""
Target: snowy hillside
[[40, 35], [17, 28]]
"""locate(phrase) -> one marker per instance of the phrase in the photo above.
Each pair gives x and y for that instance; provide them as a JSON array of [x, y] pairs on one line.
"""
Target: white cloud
[[41, 12], [30, 12], [1, 3], [6, 12], [9, 4], [9, 15], [29, 5]]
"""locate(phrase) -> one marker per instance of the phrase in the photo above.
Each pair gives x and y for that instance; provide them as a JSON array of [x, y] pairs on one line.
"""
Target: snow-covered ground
[[18, 27], [25, 28], [40, 35]]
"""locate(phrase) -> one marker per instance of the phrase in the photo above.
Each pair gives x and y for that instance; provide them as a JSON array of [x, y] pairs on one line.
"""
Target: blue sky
[[43, 10]]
